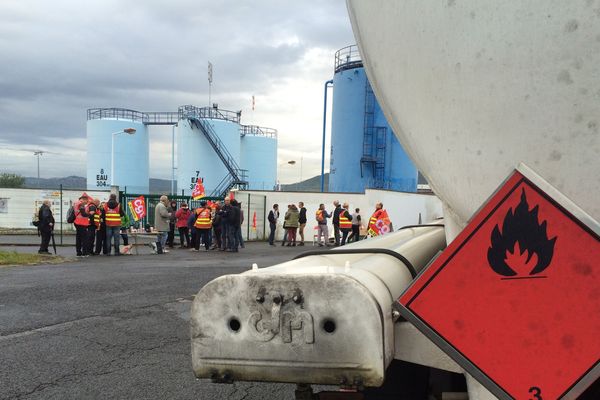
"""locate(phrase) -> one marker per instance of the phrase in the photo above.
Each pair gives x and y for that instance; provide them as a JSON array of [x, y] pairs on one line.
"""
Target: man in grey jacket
[[161, 223]]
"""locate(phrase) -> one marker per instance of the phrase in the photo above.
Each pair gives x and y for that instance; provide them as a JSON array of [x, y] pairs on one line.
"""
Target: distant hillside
[[80, 183], [161, 186], [309, 185], [70, 182]]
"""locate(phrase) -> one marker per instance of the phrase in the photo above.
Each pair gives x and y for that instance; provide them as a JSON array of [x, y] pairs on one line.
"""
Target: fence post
[[264, 216], [61, 215], [248, 217]]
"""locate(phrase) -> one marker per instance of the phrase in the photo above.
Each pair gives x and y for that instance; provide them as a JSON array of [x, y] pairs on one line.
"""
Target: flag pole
[[210, 79]]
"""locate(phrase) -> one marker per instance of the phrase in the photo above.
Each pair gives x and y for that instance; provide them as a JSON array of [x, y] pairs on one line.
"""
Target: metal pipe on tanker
[[242, 325]]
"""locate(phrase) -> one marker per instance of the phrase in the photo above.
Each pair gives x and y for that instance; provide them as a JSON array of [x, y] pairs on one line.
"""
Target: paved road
[[115, 327]]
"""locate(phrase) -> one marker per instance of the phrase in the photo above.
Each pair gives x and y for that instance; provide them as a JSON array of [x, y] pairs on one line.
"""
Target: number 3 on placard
[[536, 392]]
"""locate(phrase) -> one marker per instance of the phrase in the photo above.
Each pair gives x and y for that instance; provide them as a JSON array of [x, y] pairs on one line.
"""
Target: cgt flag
[[198, 191], [254, 221], [137, 207], [379, 224]]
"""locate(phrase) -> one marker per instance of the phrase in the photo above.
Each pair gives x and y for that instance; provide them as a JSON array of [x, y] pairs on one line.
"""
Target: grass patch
[[14, 258]]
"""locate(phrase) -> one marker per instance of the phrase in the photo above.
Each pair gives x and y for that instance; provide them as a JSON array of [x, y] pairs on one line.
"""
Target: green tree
[[11, 180]]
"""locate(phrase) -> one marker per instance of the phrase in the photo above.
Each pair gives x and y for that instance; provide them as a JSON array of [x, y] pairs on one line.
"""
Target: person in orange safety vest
[[345, 223], [112, 214], [82, 222], [203, 226]]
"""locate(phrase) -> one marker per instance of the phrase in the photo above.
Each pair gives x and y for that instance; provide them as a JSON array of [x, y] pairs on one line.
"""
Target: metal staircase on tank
[[237, 176], [367, 160], [380, 147], [374, 143]]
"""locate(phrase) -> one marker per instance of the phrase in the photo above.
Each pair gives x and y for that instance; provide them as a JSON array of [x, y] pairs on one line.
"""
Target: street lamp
[[38, 153], [129, 131]]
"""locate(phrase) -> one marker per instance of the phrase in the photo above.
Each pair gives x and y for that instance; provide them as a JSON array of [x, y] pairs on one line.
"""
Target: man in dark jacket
[[224, 213], [302, 222], [273, 216], [100, 232], [336, 221], [233, 224], [94, 213], [172, 222], [45, 226]]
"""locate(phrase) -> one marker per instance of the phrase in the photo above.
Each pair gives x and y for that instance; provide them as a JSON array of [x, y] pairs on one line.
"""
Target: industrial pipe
[[327, 84]]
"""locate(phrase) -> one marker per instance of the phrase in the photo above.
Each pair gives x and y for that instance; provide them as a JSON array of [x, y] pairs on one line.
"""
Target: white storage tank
[[259, 156], [130, 150], [197, 158]]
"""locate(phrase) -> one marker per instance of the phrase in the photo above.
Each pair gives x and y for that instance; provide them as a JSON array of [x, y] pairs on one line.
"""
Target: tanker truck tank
[[323, 318], [490, 87]]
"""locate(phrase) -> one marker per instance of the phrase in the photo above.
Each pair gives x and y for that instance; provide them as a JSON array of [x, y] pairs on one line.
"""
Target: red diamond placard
[[515, 298]]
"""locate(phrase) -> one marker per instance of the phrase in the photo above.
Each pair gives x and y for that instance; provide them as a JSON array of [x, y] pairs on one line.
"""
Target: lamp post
[[173, 159], [38, 153], [293, 162], [129, 131]]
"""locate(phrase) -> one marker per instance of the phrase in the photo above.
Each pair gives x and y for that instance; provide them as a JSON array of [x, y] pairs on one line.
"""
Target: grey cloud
[[63, 57]]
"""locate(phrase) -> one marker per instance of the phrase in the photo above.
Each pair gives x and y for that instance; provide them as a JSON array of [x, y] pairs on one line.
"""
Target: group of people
[[215, 226], [346, 224], [99, 226], [294, 221]]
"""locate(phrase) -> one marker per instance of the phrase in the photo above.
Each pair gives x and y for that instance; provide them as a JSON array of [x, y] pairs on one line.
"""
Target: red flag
[[198, 191], [379, 224], [254, 221], [137, 207]]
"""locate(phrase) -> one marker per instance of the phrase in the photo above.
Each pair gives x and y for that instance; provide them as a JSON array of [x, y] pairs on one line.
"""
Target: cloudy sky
[[61, 57]]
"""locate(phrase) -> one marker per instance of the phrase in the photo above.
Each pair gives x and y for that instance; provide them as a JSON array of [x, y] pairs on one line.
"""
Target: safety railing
[[347, 58], [189, 111], [258, 131], [116, 113], [162, 118]]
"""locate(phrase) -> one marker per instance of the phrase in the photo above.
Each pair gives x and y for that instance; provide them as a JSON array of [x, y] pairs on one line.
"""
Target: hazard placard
[[515, 298]]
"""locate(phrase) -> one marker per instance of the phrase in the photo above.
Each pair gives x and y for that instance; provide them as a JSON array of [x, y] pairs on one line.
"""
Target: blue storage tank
[[196, 158], [259, 156], [364, 150], [130, 154]]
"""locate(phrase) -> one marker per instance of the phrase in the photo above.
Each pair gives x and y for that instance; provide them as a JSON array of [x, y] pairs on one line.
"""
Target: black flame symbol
[[521, 227]]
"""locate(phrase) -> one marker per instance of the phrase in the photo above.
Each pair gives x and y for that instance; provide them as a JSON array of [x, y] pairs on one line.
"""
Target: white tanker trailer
[[472, 89]]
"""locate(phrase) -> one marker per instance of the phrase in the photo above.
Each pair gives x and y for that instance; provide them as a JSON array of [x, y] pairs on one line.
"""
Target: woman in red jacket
[[182, 216]]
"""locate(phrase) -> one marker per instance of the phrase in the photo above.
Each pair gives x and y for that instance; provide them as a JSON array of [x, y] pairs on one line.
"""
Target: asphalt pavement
[[115, 327]]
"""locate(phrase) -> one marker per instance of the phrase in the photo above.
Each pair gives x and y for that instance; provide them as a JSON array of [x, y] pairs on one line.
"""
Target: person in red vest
[[112, 214], [345, 222], [375, 217], [82, 222], [182, 216], [203, 225]]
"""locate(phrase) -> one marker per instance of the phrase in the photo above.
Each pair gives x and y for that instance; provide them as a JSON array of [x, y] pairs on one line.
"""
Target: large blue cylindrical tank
[[196, 158], [130, 151], [364, 151], [259, 157]]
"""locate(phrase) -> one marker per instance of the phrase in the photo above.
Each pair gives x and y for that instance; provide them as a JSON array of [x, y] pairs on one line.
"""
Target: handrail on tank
[[255, 130], [190, 111], [347, 58], [116, 113]]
